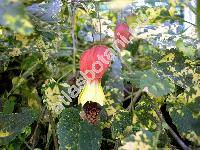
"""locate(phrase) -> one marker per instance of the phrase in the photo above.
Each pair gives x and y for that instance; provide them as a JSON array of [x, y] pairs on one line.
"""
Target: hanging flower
[[94, 62], [122, 35]]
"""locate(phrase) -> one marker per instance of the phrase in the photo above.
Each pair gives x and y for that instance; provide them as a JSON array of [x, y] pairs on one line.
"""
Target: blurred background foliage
[[40, 45]]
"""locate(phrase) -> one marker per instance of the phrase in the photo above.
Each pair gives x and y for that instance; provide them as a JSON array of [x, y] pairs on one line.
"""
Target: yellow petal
[[92, 92]]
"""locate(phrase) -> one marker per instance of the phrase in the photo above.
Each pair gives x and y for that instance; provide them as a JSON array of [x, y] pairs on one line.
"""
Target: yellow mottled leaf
[[4, 134], [22, 38], [168, 58], [52, 97], [110, 111]]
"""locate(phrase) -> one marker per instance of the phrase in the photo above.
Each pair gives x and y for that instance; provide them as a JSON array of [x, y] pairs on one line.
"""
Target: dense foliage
[[152, 87]]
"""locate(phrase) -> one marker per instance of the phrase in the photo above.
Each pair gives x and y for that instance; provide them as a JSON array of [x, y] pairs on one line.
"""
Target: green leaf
[[13, 124], [187, 120], [73, 133], [89, 137], [148, 79], [9, 105], [133, 77], [120, 123], [28, 62], [13, 15], [156, 85], [68, 128]]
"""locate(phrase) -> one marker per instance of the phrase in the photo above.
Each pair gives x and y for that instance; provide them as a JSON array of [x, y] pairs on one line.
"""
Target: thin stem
[[53, 126], [81, 1], [99, 19], [155, 142], [48, 144], [109, 140], [34, 136], [180, 19], [36, 128], [131, 108], [64, 75], [117, 144], [189, 23], [176, 137], [128, 97], [127, 91], [23, 76], [133, 101], [73, 36], [198, 17], [27, 145]]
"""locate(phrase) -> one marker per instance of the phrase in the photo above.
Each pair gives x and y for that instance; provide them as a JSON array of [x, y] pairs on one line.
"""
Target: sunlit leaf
[[187, 51], [156, 85], [144, 115], [182, 71], [140, 140]]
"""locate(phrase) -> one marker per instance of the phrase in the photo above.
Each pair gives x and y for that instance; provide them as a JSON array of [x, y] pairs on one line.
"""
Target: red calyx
[[92, 111], [95, 61], [122, 35]]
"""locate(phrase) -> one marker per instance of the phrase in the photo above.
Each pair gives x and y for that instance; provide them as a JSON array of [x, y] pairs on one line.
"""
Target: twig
[[1, 105], [88, 1], [180, 142], [176, 137], [64, 75], [189, 23], [28, 146], [34, 136], [198, 17], [53, 126], [133, 101], [127, 91], [23, 76], [97, 7], [180, 19], [48, 144], [36, 128], [73, 36], [117, 143], [155, 142], [109, 140], [128, 97]]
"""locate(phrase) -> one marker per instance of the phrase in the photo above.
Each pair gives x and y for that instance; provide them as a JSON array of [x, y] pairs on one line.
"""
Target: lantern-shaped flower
[[122, 35], [94, 62]]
